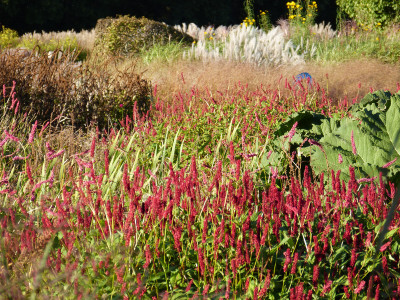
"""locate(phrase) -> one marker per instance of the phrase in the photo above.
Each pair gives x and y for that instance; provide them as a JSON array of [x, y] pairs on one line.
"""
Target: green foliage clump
[[127, 35], [65, 44], [371, 12], [8, 38], [368, 139]]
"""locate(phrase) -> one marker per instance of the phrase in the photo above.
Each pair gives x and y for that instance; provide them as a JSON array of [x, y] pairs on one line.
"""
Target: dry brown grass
[[51, 86], [340, 79]]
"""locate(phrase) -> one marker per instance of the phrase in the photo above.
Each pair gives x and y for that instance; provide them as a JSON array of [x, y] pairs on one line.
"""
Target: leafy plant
[[8, 38], [127, 35], [370, 12], [368, 138]]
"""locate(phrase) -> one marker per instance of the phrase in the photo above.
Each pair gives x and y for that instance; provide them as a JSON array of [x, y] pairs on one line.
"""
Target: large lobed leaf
[[374, 124]]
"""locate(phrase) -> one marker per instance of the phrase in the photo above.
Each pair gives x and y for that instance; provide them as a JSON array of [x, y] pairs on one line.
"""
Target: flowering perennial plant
[[140, 214]]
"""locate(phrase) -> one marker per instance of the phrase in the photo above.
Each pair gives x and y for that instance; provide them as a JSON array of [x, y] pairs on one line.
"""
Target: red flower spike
[[92, 147], [246, 285], [106, 162], [148, 257], [385, 266], [378, 289], [294, 265], [315, 275], [360, 287], [189, 286], [206, 288], [350, 278], [287, 260]]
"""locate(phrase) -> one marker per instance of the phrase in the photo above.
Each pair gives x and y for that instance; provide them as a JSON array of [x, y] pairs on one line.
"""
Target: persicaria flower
[[93, 146], [205, 291], [389, 163], [189, 286], [360, 287], [384, 246], [148, 257], [315, 275], [385, 266], [177, 233], [292, 131], [246, 285], [350, 277], [327, 287], [294, 265], [32, 134], [287, 259], [377, 291], [340, 158], [353, 144]]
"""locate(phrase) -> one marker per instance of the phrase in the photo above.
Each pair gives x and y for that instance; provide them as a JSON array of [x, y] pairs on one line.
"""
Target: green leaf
[[375, 126]]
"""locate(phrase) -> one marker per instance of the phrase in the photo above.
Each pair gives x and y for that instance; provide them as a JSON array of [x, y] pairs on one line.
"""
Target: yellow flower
[[378, 24], [377, 39], [304, 19]]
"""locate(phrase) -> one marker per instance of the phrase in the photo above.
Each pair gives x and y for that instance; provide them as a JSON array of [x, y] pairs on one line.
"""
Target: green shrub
[[370, 13], [8, 38], [127, 35]]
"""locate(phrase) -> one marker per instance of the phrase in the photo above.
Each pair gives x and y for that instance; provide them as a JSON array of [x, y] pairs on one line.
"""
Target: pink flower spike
[[50, 156], [340, 158], [366, 179], [10, 136], [32, 134], [389, 163], [384, 246], [353, 144], [292, 131], [2, 143], [360, 287], [274, 172], [20, 157]]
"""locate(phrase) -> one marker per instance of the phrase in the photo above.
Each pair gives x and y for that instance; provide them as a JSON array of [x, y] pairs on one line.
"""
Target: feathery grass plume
[[252, 45]]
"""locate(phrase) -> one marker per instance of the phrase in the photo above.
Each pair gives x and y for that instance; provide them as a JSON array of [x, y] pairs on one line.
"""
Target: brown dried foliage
[[340, 80], [55, 85]]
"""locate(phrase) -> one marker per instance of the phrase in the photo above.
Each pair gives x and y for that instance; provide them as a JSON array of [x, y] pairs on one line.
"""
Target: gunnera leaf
[[374, 128]]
